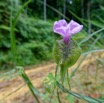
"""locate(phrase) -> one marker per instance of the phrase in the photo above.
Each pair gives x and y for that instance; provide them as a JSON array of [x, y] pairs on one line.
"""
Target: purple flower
[[66, 30]]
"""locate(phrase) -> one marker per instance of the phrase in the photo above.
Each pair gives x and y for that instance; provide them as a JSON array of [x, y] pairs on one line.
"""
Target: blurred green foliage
[[34, 36]]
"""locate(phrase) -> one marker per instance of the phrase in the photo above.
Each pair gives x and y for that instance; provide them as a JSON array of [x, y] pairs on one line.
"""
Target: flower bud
[[66, 54]]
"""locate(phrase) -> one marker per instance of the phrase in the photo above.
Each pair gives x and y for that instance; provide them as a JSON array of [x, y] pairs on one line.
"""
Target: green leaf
[[102, 7], [4, 27], [50, 75], [70, 98]]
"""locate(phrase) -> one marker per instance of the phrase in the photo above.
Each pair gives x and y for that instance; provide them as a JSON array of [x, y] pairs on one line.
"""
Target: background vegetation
[[33, 30]]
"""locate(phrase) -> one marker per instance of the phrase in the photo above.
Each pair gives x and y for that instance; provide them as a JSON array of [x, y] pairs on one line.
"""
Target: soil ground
[[89, 80]]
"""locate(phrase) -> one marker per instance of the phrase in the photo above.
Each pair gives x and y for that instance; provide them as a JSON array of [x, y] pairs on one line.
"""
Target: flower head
[[66, 30]]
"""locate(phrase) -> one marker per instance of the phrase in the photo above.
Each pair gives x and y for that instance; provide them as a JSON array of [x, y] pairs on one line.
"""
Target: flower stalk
[[66, 51]]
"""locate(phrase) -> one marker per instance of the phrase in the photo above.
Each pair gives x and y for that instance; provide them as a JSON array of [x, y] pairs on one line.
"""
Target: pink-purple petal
[[66, 30], [73, 25], [59, 23], [61, 31], [62, 22], [77, 29], [72, 22]]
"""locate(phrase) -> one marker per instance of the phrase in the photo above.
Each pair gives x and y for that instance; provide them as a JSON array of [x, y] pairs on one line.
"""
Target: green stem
[[56, 70], [58, 96], [12, 36], [63, 71], [68, 80], [30, 85]]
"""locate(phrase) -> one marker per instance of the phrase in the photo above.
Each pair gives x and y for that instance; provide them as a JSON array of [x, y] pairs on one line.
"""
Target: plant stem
[[12, 36], [56, 71], [68, 80], [30, 85], [58, 96]]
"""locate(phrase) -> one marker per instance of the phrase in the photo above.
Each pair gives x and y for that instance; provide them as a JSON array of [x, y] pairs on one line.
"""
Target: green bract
[[66, 54]]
